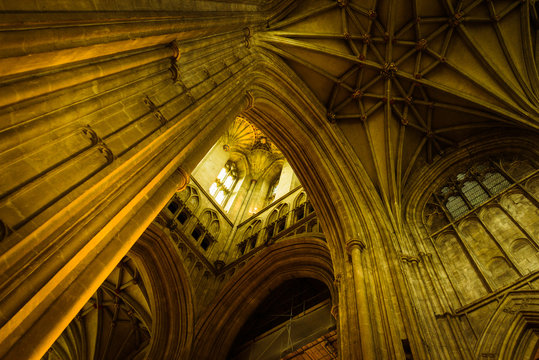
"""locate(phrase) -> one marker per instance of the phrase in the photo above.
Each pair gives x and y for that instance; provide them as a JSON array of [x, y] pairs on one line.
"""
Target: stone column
[[355, 248], [112, 163]]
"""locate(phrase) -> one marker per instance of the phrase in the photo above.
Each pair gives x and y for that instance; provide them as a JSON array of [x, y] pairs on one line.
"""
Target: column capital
[[353, 243], [335, 311], [183, 180], [174, 63], [175, 50]]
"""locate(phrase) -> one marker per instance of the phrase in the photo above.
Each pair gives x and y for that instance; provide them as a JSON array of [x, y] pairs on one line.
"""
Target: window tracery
[[276, 221], [207, 229], [484, 225], [225, 182], [468, 189]]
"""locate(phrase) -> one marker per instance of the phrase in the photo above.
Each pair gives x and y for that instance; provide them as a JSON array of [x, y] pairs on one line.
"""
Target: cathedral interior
[[269, 179]]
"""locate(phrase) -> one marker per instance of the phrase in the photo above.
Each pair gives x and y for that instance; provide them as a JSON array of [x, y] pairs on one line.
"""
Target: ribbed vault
[[114, 324], [409, 80]]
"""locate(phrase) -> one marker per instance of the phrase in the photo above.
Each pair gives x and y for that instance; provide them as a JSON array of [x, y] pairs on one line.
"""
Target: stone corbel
[[219, 265]]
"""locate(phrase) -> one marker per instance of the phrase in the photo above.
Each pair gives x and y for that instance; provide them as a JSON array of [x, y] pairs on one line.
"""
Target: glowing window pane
[[222, 174], [274, 192], [228, 182], [220, 197], [456, 206], [495, 182], [474, 192], [213, 189]]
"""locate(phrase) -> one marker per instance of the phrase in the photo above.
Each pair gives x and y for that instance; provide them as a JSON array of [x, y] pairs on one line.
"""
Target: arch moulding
[[513, 330], [170, 295], [289, 259]]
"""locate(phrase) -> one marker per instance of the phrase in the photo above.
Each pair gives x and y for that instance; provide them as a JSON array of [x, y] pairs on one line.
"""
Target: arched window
[[299, 207], [250, 237], [484, 224], [469, 189], [227, 178], [276, 221], [183, 205]]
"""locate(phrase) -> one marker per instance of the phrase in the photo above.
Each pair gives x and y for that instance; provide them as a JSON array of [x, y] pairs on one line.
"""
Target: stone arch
[[190, 197], [512, 332], [210, 220], [300, 199], [170, 294], [300, 257], [290, 114], [272, 217]]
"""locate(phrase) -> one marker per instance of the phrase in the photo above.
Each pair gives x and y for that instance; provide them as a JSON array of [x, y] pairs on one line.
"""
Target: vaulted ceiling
[[406, 81], [114, 324]]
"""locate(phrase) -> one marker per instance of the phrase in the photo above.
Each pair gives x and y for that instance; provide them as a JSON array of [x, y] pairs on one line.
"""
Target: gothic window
[[272, 191], [281, 222], [276, 221], [469, 189], [270, 228], [207, 229], [222, 188], [484, 224], [250, 237], [183, 204], [299, 208]]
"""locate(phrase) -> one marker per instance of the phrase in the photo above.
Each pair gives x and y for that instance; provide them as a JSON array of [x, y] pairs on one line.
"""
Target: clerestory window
[[222, 188]]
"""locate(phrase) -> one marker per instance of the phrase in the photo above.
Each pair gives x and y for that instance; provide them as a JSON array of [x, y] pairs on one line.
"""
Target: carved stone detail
[[175, 71], [335, 311], [410, 259], [175, 49], [353, 243], [219, 264], [155, 110], [184, 175], [106, 152], [388, 71]]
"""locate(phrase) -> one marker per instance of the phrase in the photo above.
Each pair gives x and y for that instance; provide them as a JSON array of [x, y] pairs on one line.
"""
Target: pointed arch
[[301, 257], [170, 291], [512, 332]]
